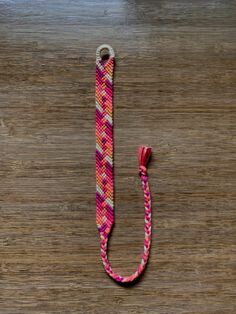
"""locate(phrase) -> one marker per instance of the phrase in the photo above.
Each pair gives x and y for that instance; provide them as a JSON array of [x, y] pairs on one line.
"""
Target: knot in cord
[[142, 171]]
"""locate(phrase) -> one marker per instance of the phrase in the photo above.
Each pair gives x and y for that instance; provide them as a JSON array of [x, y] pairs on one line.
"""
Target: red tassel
[[144, 154]]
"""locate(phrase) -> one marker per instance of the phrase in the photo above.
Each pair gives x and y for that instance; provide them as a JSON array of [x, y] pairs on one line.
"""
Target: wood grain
[[175, 90]]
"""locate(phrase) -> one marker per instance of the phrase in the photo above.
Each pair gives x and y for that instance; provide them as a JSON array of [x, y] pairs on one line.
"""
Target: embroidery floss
[[104, 166]]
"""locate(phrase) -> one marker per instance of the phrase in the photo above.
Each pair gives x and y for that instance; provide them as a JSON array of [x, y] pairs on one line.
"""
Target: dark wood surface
[[175, 90]]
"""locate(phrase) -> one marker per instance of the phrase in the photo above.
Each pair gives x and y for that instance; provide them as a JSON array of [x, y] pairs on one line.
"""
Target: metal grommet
[[105, 46]]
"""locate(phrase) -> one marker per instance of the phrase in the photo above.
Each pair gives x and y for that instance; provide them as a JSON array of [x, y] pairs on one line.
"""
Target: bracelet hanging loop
[[108, 48]]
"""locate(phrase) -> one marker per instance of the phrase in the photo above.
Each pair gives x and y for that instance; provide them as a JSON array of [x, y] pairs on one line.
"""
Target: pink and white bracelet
[[104, 167]]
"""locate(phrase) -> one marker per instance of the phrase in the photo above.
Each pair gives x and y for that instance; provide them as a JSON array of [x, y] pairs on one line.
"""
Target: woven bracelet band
[[104, 166]]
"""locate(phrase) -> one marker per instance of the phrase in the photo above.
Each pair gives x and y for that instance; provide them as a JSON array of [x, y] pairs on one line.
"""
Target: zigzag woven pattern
[[104, 167]]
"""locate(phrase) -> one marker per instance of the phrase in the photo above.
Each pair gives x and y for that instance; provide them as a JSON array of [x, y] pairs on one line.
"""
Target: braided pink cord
[[147, 239], [104, 169]]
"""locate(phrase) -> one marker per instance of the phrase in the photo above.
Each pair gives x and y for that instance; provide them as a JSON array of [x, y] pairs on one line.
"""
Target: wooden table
[[175, 90]]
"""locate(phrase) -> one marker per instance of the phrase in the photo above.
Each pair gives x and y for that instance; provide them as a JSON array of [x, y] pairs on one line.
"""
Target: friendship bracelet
[[104, 166]]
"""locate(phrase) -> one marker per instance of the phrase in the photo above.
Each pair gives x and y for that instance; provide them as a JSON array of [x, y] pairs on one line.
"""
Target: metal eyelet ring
[[105, 46]]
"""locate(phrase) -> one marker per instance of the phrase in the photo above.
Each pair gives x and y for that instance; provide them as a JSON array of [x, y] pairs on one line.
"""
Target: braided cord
[[104, 168]]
